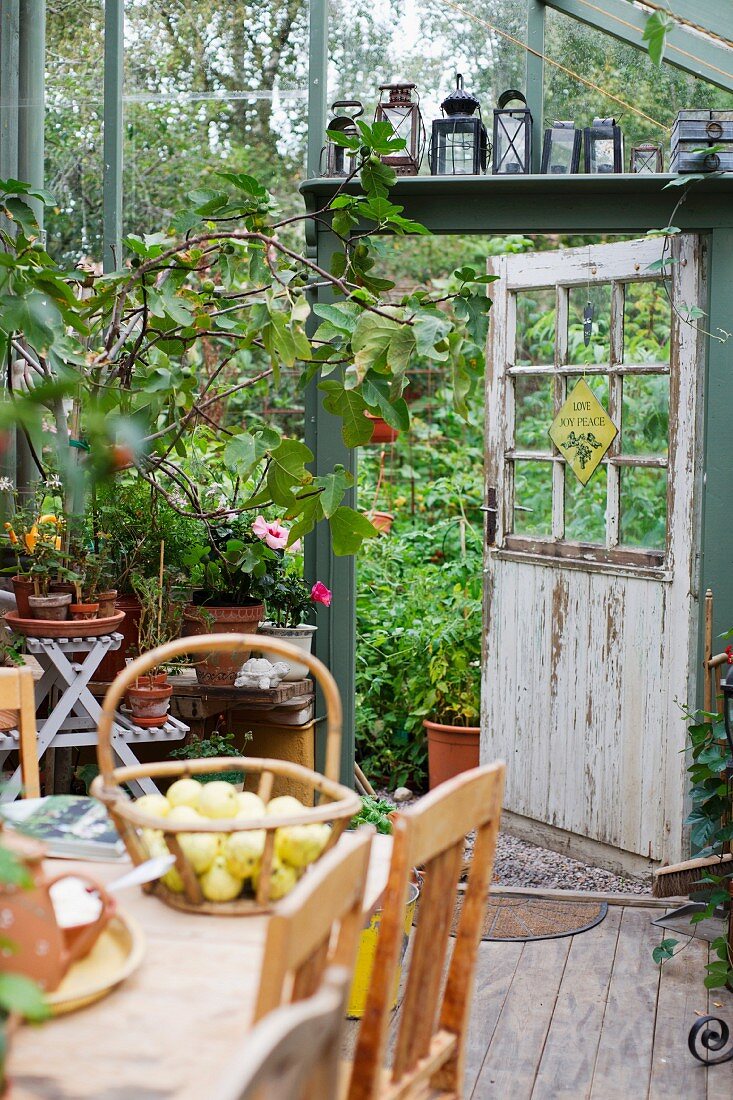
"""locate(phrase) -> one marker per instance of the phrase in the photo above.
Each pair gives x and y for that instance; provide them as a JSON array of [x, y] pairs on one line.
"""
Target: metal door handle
[[490, 508]]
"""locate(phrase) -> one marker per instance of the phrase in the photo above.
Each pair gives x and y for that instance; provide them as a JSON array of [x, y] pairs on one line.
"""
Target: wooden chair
[[16, 694], [293, 1052], [315, 926], [431, 1033]]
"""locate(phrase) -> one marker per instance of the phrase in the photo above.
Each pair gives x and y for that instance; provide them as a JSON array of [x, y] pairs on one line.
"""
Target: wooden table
[[167, 1032]]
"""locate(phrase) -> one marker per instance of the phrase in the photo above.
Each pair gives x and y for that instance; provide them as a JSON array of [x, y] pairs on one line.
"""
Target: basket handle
[[222, 643]]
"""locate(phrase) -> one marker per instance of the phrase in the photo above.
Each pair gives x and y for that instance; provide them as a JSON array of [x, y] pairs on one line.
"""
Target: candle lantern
[[512, 136], [399, 108], [459, 142], [646, 158], [604, 146], [340, 161], [561, 149]]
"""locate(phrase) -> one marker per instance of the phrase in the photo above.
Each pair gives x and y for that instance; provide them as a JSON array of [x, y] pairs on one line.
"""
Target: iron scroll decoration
[[710, 1033]]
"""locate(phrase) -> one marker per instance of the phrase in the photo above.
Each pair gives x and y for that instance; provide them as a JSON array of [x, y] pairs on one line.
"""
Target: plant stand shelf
[[68, 665]]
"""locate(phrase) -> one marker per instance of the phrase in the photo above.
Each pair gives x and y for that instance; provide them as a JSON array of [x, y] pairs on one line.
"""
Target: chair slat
[[16, 693]]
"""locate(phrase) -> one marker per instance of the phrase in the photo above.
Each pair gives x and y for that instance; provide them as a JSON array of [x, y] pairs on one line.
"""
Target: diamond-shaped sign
[[583, 431]]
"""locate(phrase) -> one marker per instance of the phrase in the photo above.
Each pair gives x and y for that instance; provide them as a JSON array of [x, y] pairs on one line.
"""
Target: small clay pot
[[23, 588], [382, 432], [149, 705], [53, 608], [83, 610], [107, 603]]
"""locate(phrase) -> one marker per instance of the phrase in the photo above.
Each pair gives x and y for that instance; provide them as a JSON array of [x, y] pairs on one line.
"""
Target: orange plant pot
[[451, 750], [381, 430], [220, 669]]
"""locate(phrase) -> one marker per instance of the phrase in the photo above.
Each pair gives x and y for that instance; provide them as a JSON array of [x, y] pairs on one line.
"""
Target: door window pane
[[535, 343], [533, 498], [599, 348], [643, 507], [645, 414], [647, 322], [585, 507], [533, 412]]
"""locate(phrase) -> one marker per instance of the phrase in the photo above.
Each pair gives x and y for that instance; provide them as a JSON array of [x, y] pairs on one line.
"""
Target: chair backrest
[[293, 1053], [434, 1014], [315, 926], [16, 694]]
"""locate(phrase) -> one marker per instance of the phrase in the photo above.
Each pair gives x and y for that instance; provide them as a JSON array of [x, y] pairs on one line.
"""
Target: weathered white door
[[591, 592]]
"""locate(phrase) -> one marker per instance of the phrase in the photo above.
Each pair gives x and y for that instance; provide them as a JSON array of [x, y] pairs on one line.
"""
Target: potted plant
[[230, 575], [33, 528], [382, 432], [288, 601], [160, 622], [204, 748]]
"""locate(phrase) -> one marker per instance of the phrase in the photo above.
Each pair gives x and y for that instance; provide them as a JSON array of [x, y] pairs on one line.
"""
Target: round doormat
[[513, 917]]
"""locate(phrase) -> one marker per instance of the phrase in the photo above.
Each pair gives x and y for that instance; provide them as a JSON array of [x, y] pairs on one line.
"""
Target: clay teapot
[[32, 942]]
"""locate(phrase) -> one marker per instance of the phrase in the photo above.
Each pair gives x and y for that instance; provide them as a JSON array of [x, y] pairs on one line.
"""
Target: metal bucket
[[366, 954]]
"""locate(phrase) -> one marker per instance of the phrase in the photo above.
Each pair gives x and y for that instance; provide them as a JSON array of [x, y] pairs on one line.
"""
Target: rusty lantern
[[398, 107], [647, 158]]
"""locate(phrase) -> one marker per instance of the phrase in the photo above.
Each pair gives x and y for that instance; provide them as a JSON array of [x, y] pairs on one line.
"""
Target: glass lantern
[[459, 142], [604, 146], [340, 161], [647, 158], [561, 149], [512, 136], [399, 108]]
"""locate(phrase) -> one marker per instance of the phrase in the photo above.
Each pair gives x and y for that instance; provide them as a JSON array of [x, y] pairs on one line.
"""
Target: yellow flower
[[49, 518], [11, 534], [57, 542], [31, 538]]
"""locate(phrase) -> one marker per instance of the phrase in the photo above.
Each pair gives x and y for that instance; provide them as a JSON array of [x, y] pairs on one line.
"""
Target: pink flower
[[295, 548], [321, 594], [274, 534]]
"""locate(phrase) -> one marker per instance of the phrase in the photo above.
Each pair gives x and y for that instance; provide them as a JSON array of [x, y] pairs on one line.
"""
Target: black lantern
[[561, 149], [459, 142], [403, 113], [340, 161], [646, 158], [727, 686], [512, 136], [604, 146]]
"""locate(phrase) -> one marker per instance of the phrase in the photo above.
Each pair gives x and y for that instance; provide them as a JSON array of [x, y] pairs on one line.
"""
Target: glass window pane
[[533, 412], [645, 424], [585, 507], [599, 348], [535, 342], [643, 508], [647, 321], [533, 498]]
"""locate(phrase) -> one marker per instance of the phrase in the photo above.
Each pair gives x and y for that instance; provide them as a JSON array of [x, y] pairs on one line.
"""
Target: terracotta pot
[[300, 636], [107, 601], [114, 662], [23, 588], [381, 431], [220, 669], [83, 610], [149, 705], [451, 750], [52, 608], [382, 521]]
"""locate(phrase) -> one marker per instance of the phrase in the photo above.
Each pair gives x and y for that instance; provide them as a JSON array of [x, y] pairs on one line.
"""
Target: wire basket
[[335, 803]]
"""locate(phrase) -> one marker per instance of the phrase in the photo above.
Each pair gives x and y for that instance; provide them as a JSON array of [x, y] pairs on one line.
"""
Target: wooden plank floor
[[590, 1017]]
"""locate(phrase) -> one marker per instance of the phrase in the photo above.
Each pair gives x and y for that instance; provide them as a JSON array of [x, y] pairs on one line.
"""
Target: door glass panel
[[643, 519], [585, 507], [645, 414], [533, 498], [535, 343], [599, 348], [533, 412], [647, 323]]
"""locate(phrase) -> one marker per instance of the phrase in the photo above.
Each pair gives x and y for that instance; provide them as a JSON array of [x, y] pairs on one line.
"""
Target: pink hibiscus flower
[[274, 534], [321, 594]]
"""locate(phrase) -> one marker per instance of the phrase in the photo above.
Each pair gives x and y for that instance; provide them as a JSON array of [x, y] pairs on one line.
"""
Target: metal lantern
[[561, 149], [646, 158], [512, 136], [340, 161], [604, 146], [403, 113], [727, 686], [459, 142]]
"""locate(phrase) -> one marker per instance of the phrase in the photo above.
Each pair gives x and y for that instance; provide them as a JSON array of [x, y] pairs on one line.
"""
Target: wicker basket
[[336, 804]]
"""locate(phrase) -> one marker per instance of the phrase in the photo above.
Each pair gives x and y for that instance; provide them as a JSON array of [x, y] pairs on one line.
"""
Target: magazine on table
[[69, 826]]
